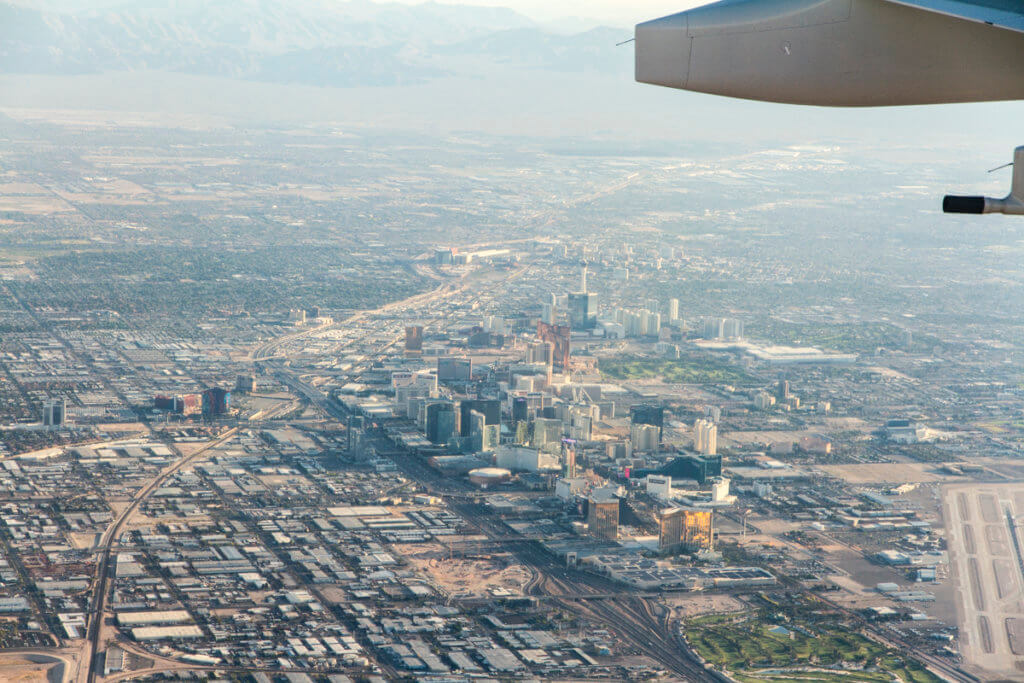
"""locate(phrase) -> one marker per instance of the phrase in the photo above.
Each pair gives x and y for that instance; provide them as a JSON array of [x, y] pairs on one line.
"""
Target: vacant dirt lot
[[473, 576]]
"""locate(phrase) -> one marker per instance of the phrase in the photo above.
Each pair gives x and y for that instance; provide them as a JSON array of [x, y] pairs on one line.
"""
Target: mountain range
[[311, 42]]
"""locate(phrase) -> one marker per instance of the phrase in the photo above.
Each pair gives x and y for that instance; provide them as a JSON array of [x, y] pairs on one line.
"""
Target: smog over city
[[400, 341]]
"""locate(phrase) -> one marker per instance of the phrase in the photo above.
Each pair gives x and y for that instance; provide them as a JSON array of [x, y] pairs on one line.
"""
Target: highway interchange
[[637, 618]]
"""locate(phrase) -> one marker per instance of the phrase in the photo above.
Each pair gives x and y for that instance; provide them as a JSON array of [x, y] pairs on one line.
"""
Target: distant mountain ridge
[[300, 41]]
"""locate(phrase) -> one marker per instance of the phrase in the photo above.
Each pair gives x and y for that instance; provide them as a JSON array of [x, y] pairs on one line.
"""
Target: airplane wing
[[840, 52], [1008, 15]]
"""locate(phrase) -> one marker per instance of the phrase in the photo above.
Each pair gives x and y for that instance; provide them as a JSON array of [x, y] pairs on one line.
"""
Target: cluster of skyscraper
[[722, 328], [54, 412], [685, 529], [705, 437], [470, 425], [583, 305], [212, 401], [643, 322], [646, 427]]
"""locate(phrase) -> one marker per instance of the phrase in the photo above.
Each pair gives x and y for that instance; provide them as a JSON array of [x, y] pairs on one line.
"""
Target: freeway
[[101, 582], [268, 349], [633, 616], [164, 666], [86, 662], [584, 594]]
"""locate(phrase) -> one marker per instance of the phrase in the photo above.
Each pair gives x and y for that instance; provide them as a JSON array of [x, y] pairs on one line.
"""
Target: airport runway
[[985, 536]]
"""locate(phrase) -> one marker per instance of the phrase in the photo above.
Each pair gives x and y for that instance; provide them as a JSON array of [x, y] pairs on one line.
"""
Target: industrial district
[[547, 442]]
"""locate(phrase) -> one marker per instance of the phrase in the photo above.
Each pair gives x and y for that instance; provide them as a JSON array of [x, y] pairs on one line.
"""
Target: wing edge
[[969, 11]]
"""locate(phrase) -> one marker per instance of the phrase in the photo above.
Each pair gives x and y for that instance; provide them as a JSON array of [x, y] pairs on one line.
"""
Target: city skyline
[[360, 342]]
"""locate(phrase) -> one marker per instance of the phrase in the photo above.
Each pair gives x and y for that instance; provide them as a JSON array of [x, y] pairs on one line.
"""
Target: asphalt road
[[101, 583]]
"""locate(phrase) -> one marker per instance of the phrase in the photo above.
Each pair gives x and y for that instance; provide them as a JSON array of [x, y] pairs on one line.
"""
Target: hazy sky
[[528, 101], [611, 12]]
